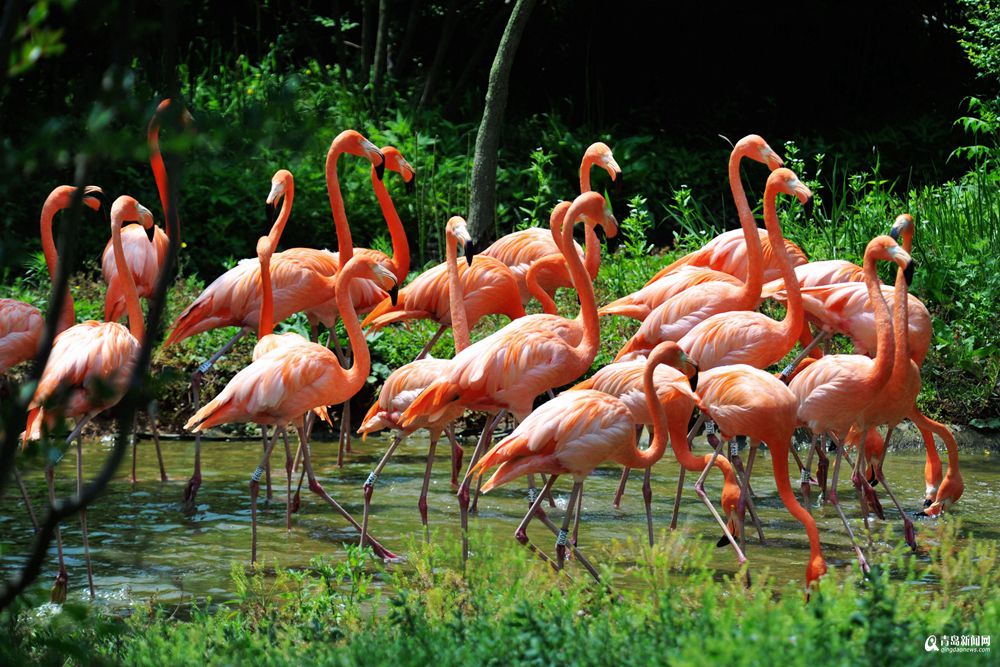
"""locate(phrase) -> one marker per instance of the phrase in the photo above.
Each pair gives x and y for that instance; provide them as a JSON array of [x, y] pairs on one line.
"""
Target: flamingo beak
[[807, 206], [411, 185], [773, 160], [394, 293], [470, 252], [272, 213], [377, 159], [693, 380], [895, 232], [908, 271], [150, 233]]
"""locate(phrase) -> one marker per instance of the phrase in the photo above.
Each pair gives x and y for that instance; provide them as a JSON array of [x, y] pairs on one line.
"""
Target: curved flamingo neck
[[900, 327], [266, 325], [753, 281], [658, 445], [791, 325], [344, 244], [400, 246], [885, 348], [456, 295], [135, 322], [156, 162], [67, 314], [590, 342], [549, 262], [356, 375], [278, 228], [556, 222]]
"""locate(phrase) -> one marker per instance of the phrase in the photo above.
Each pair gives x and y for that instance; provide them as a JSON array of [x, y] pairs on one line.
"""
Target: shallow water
[[143, 545]]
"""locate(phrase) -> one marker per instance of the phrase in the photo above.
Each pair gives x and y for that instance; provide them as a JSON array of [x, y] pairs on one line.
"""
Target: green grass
[[669, 607]]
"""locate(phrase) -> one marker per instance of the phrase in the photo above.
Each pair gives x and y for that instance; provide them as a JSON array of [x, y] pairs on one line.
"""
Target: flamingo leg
[[135, 443], [255, 489], [456, 456], [154, 422], [647, 498], [463, 489], [680, 482], [835, 501], [562, 537], [822, 466], [576, 519], [521, 534], [297, 498], [620, 491], [268, 493], [345, 412], [790, 368], [26, 498], [908, 532], [289, 468], [699, 487], [318, 489], [430, 342], [58, 594], [83, 514], [422, 503], [191, 489], [746, 493], [369, 486]]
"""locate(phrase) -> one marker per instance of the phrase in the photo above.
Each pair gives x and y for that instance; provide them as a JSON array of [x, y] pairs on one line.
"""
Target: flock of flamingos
[[702, 344]]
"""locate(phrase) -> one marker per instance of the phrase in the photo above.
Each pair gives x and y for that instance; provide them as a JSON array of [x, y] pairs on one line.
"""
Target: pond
[[144, 546]]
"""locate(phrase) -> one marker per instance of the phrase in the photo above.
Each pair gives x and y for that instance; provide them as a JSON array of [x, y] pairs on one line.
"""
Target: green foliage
[[668, 606], [980, 37]]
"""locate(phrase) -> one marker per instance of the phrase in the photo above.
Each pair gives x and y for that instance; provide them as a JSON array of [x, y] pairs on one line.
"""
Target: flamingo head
[[95, 198], [754, 147], [905, 262], [353, 142], [671, 354], [394, 161], [785, 180], [592, 208], [951, 490], [903, 226], [458, 229], [598, 153], [128, 209], [815, 569], [281, 183]]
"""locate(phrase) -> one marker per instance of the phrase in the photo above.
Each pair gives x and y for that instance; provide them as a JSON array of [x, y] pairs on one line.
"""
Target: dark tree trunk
[[367, 36], [472, 63], [450, 20], [380, 46], [482, 207]]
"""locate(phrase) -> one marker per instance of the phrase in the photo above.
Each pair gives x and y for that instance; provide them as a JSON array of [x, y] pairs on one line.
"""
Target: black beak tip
[[808, 207], [894, 232], [272, 213], [411, 185], [150, 233], [693, 380], [618, 183], [723, 541], [394, 294], [614, 242], [920, 515], [470, 253], [927, 503], [908, 272]]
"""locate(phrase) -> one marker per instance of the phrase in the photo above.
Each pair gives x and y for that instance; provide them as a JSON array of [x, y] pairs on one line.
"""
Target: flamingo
[[86, 374], [573, 434], [145, 250], [406, 382], [675, 392], [21, 324], [518, 250], [303, 278], [281, 386], [732, 293], [834, 392], [743, 400], [508, 369]]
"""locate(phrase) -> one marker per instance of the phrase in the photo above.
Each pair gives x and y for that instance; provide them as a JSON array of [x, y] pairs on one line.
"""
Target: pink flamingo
[[573, 434], [508, 369], [519, 250], [834, 392], [284, 384], [732, 293], [85, 375], [303, 278], [406, 382]]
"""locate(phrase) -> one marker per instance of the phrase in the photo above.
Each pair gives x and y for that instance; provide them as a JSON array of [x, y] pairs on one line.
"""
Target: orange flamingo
[[675, 392], [85, 375], [406, 383], [21, 324], [730, 294], [743, 400], [302, 277], [518, 250], [145, 250], [507, 370], [737, 336], [834, 392], [284, 384], [573, 434]]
